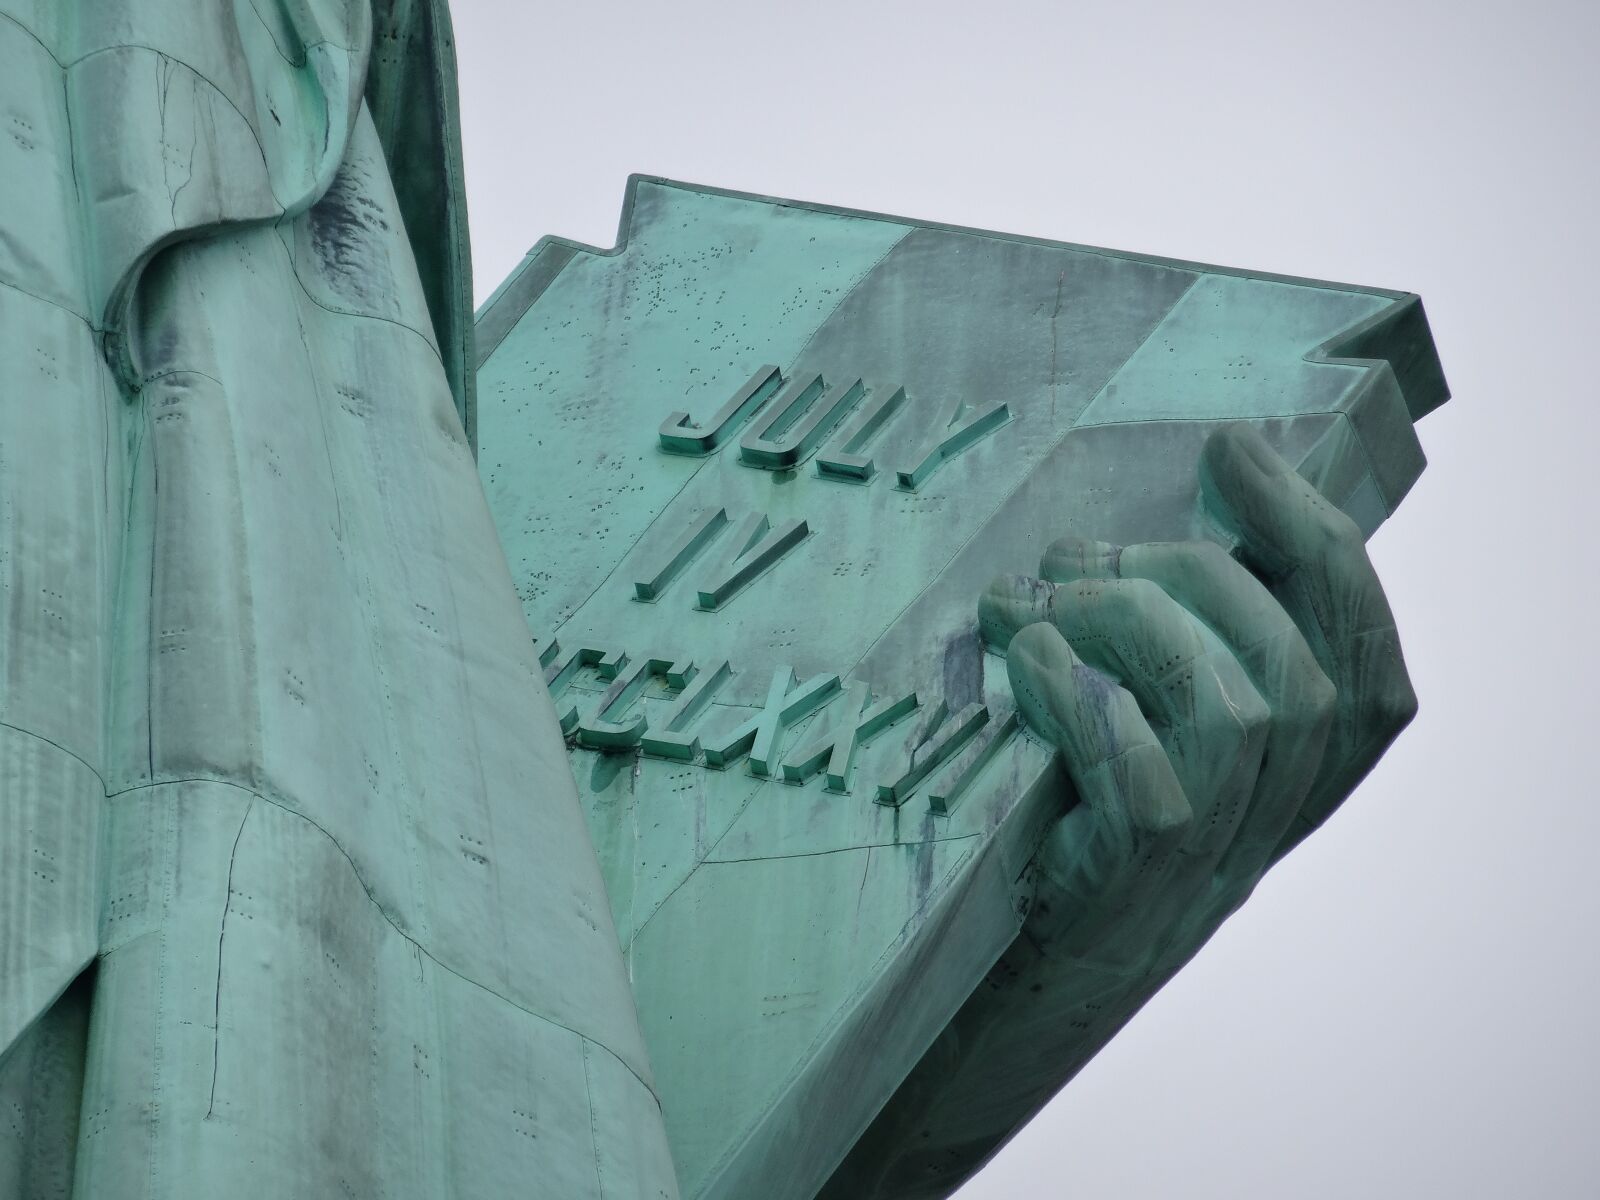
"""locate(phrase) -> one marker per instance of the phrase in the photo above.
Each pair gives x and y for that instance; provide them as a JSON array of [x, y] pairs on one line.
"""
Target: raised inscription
[[946, 753], [813, 416]]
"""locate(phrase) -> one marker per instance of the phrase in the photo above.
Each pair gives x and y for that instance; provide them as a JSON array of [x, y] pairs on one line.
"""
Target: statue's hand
[[1211, 710]]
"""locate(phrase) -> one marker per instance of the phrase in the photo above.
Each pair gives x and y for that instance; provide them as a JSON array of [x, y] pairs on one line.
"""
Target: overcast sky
[[1410, 1005]]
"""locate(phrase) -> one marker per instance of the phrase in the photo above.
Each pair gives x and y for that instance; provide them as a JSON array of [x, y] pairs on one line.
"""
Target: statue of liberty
[[300, 894]]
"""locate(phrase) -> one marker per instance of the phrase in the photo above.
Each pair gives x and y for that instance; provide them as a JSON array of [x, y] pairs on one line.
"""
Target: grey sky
[[1410, 1005]]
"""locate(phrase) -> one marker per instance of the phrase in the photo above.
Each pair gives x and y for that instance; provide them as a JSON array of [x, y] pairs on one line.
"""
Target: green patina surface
[[808, 882], [276, 767], [794, 946]]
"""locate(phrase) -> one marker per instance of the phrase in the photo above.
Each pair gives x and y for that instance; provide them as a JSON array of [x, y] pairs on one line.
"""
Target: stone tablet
[[752, 470]]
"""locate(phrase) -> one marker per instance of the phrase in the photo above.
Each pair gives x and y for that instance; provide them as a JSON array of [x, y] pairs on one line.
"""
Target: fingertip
[[1038, 663], [1009, 604], [1238, 470], [1242, 443], [1250, 490], [1040, 649]]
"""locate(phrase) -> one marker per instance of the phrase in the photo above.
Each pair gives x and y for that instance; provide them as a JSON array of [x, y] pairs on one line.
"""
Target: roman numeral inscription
[[599, 732], [699, 532], [753, 548], [560, 667], [942, 739], [945, 755], [854, 724], [968, 762], [670, 741], [812, 417], [761, 736]]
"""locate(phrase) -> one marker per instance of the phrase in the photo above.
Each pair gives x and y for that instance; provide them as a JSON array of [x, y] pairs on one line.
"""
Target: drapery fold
[[276, 760], [252, 103]]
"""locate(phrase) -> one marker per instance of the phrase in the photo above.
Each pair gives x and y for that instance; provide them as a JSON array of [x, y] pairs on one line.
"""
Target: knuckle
[[1389, 703], [1010, 603], [1393, 706], [1312, 698]]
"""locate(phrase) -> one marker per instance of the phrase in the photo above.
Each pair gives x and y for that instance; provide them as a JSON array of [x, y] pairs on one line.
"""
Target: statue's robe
[[296, 898]]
